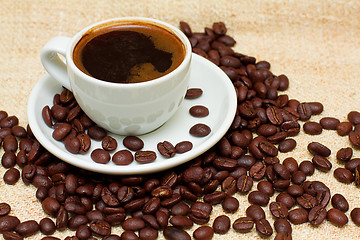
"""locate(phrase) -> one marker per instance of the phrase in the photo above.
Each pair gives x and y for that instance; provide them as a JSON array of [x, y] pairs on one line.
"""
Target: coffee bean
[[255, 212], [8, 223], [287, 145], [354, 117], [166, 149], [14, 236], [243, 224], [11, 176], [307, 167], [306, 201], [133, 143], [200, 130], [50, 206], [317, 215], [312, 128], [337, 217], [230, 204], [109, 143], [203, 233], [83, 232], [268, 148], [257, 171], [266, 187], [354, 137], [355, 216], [286, 199], [4, 209], [47, 226], [291, 164], [100, 155], [304, 111], [283, 236], [173, 233], [344, 128], [352, 164], [193, 93], [338, 201], [316, 107], [274, 115], [183, 146], [321, 163], [344, 175], [72, 144], [258, 198], [221, 224], [27, 228], [344, 154], [199, 111], [181, 221], [244, 184], [61, 131], [278, 210], [228, 186], [123, 157], [263, 227], [281, 171], [316, 148], [100, 227], [97, 133], [298, 216], [329, 123]]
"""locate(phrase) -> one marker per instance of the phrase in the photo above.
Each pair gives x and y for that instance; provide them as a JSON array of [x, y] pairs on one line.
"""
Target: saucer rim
[[62, 154]]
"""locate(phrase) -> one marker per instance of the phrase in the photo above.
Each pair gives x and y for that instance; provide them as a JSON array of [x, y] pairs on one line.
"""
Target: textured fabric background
[[315, 43]]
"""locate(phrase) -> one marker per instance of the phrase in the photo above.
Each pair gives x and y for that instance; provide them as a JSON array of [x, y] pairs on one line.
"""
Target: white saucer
[[218, 96]]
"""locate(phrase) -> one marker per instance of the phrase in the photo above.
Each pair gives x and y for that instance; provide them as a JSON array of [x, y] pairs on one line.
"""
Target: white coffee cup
[[121, 108]]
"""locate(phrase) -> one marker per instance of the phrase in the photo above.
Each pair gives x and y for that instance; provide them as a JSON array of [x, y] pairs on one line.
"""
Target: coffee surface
[[128, 53]]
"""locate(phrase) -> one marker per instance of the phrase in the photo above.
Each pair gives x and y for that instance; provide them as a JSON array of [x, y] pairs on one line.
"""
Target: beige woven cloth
[[315, 43]]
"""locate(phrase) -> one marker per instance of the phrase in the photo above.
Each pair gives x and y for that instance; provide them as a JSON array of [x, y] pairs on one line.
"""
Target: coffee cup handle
[[51, 61]]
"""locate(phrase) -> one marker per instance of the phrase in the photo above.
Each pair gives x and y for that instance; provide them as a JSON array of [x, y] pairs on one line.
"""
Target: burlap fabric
[[315, 43]]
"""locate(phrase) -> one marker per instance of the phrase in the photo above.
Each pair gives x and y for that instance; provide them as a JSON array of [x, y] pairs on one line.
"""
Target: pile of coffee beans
[[173, 201]]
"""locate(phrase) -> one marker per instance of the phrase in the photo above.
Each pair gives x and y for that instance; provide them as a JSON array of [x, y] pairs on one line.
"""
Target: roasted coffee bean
[[8, 160], [230, 205], [200, 130], [228, 186], [291, 164], [8, 223], [224, 147], [166, 149], [72, 144], [354, 117], [306, 201], [352, 164], [173, 233], [199, 111], [203, 233], [116, 237], [268, 148], [181, 221], [344, 175], [11, 176], [317, 215], [287, 145], [215, 197], [4, 209], [337, 217], [283, 236], [109, 143], [316, 148], [50, 206], [354, 137], [321, 163], [10, 144], [243, 224], [355, 216], [338, 201], [144, 157], [244, 184], [193, 174], [304, 111], [344, 128], [97, 133], [267, 130], [193, 93], [255, 212], [316, 107], [224, 163], [281, 171], [295, 190], [282, 225], [221, 224], [278, 210], [274, 115], [180, 209], [344, 154], [100, 227], [27, 228], [266, 187], [123, 157], [147, 233], [184, 26], [312, 128], [83, 232], [257, 171], [298, 216], [15, 236], [61, 131], [263, 227], [329, 123], [307, 167], [85, 142], [100, 155], [258, 198], [286, 199], [133, 224], [183, 146], [76, 221]]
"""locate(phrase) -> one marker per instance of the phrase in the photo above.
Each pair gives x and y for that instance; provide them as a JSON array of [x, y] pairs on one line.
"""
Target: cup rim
[[183, 38]]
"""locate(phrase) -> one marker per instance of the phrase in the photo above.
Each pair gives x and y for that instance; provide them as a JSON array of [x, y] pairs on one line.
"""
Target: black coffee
[[128, 53]]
